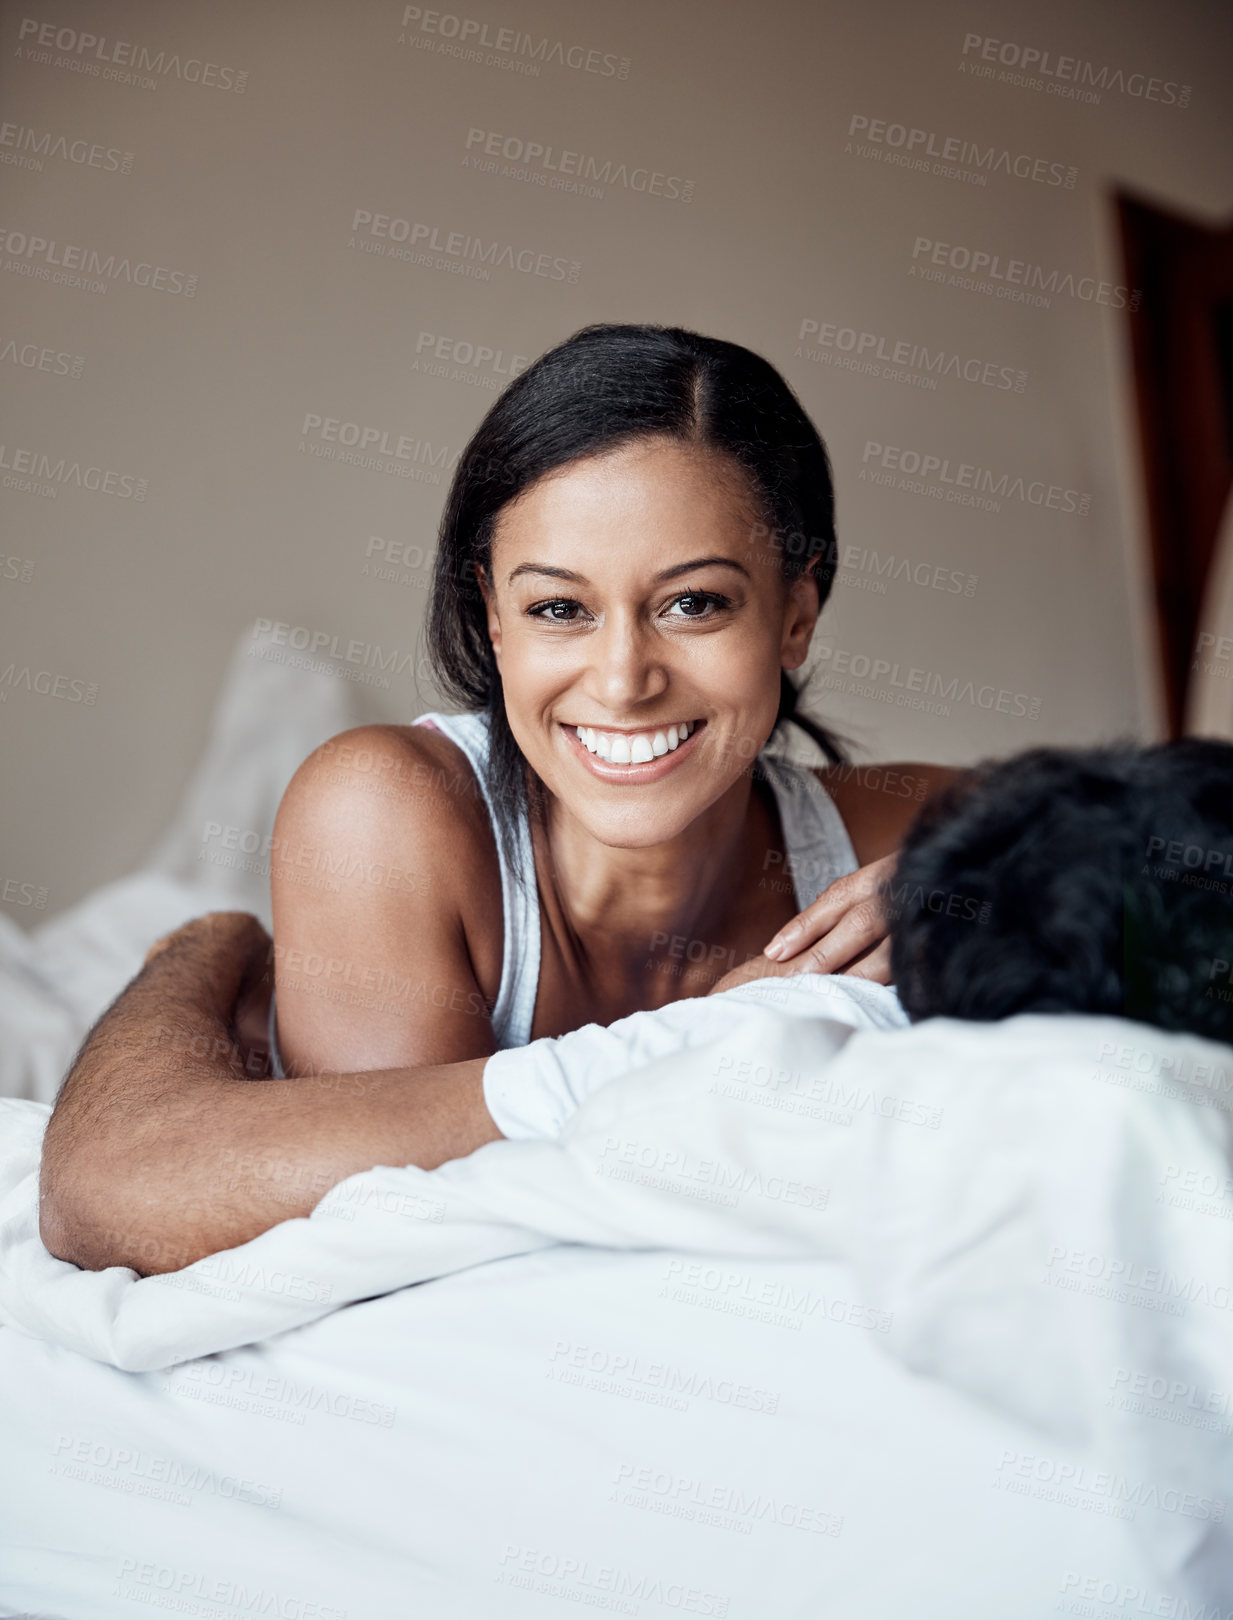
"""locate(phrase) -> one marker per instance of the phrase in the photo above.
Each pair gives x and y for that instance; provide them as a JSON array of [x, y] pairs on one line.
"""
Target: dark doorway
[[1182, 345]]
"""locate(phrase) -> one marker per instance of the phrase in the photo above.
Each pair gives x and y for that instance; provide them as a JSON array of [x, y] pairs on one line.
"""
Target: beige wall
[[257, 131]]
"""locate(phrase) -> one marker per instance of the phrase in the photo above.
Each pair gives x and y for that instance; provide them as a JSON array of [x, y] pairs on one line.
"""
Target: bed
[[802, 1318]]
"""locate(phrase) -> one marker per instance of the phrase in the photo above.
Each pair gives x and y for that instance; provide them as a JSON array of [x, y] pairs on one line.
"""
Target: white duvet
[[787, 1320], [991, 1263]]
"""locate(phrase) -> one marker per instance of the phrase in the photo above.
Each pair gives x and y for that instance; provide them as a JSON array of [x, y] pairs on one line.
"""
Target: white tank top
[[816, 844]]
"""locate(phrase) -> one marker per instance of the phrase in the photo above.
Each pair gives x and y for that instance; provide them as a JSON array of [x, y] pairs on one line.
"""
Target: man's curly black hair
[[1092, 880]]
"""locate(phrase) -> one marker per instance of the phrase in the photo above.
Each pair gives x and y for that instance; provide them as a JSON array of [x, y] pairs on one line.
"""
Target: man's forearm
[[160, 1151]]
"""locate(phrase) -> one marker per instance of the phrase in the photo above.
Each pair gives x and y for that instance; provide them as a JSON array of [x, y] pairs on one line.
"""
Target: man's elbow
[[95, 1226], [68, 1232], [57, 1228]]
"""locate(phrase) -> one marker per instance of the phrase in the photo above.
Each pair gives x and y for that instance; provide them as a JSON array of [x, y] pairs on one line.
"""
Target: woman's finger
[[874, 965], [827, 910], [857, 931]]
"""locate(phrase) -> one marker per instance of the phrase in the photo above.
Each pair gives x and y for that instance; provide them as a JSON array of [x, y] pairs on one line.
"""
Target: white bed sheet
[[473, 1449], [995, 1292]]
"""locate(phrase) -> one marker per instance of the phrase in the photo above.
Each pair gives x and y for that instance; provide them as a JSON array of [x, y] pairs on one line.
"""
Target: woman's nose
[[627, 664]]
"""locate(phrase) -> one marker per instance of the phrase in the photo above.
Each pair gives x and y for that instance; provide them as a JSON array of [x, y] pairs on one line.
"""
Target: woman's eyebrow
[[702, 562], [668, 573]]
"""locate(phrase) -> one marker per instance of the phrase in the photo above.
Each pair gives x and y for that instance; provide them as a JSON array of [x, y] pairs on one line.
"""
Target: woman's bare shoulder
[[385, 780], [387, 814], [878, 802]]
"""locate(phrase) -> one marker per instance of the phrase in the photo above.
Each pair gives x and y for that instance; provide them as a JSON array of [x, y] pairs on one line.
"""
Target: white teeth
[[618, 748]]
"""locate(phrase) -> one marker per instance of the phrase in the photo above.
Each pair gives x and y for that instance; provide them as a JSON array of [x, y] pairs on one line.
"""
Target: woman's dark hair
[[1096, 880], [609, 386]]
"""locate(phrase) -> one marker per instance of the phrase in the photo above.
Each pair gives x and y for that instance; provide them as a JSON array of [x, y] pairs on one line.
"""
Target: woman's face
[[631, 593]]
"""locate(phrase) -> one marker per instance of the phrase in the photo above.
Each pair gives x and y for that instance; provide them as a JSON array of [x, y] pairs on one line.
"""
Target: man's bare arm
[[160, 1150]]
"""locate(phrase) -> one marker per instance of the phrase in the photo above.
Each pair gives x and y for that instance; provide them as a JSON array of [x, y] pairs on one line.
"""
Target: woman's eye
[[703, 600], [549, 610], [701, 605]]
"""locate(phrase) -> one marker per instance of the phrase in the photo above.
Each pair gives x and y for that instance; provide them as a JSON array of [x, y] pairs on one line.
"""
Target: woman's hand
[[845, 930]]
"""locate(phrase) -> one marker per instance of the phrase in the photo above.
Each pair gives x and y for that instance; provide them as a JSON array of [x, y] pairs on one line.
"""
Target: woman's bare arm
[[386, 894], [163, 1148], [160, 1150]]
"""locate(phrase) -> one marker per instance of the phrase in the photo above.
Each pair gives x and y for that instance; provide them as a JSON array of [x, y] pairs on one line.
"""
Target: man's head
[[1074, 880]]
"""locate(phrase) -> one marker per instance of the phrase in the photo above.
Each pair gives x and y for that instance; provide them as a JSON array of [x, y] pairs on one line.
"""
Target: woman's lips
[[639, 775]]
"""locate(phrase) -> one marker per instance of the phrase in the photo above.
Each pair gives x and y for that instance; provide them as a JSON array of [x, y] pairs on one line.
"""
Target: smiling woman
[[633, 556], [632, 560]]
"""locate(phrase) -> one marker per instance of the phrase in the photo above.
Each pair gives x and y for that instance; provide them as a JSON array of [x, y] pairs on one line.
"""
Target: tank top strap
[[520, 957], [815, 839]]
